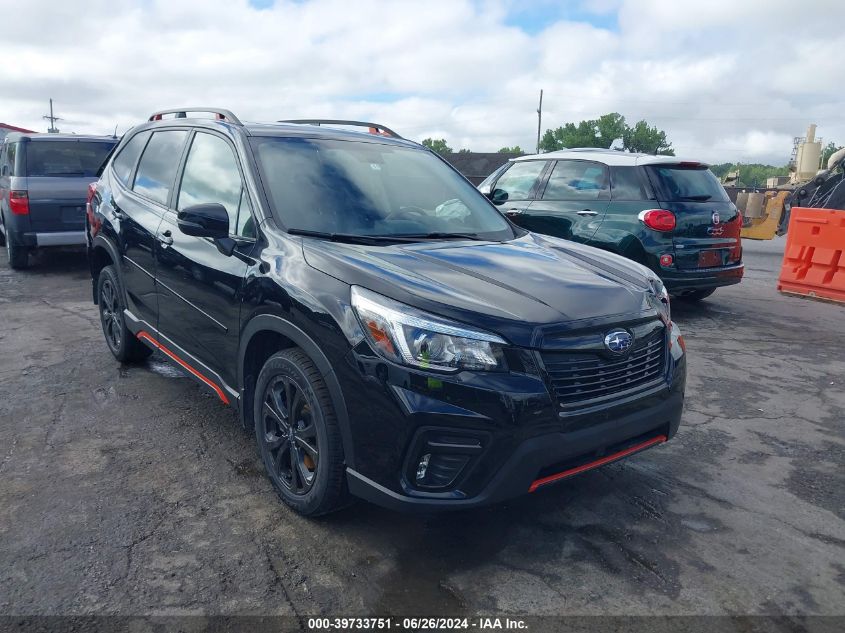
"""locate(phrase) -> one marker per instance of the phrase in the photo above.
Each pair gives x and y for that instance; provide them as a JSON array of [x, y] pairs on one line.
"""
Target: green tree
[[647, 139], [610, 127], [585, 134], [516, 149], [602, 132], [464, 151], [828, 151], [437, 145]]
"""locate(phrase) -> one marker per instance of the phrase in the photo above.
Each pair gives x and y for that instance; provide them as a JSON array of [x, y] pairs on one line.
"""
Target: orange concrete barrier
[[814, 260]]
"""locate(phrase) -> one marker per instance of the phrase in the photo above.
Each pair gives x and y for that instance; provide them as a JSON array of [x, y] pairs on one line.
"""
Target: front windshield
[[367, 188]]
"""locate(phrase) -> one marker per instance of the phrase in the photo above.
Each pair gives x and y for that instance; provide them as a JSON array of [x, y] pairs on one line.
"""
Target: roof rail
[[182, 113], [375, 128]]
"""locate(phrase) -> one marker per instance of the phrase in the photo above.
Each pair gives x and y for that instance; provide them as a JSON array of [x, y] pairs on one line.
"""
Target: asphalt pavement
[[132, 491]]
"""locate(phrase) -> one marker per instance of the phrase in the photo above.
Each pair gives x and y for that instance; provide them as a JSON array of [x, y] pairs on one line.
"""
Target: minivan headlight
[[660, 298], [404, 334]]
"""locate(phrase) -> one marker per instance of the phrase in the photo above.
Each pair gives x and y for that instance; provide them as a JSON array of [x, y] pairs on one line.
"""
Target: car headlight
[[406, 335], [659, 298]]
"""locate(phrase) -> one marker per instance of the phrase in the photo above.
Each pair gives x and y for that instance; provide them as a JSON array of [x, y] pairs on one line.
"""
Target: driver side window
[[519, 180], [211, 175]]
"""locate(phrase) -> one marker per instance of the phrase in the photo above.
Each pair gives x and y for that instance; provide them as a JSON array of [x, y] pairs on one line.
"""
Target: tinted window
[[158, 165], [11, 158], [577, 180], [626, 184], [66, 158], [695, 182], [370, 188], [125, 161], [211, 175], [518, 181]]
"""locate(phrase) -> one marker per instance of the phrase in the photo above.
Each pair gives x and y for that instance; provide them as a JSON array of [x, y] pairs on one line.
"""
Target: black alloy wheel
[[298, 434], [290, 435], [125, 347], [110, 315]]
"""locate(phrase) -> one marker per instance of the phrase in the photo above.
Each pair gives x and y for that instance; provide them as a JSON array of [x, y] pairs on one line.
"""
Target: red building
[[5, 128]]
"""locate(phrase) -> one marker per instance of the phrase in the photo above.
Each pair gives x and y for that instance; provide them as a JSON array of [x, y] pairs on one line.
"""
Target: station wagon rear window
[[66, 158], [688, 183]]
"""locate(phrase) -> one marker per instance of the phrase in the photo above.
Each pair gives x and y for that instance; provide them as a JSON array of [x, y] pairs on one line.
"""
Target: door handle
[[514, 212], [587, 212], [165, 238]]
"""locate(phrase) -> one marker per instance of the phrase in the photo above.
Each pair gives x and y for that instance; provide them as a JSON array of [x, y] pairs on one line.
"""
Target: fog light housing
[[422, 467], [438, 459]]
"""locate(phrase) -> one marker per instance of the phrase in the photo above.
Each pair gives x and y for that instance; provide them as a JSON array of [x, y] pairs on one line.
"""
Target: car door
[[514, 190], [138, 202], [199, 286], [571, 202]]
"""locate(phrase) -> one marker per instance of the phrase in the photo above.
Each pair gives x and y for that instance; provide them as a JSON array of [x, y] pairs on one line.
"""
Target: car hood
[[512, 288]]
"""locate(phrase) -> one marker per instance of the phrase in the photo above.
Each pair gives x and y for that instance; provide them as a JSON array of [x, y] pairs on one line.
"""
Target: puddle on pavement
[[158, 365]]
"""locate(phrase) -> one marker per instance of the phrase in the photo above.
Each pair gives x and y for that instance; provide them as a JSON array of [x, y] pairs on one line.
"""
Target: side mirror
[[498, 196], [204, 220]]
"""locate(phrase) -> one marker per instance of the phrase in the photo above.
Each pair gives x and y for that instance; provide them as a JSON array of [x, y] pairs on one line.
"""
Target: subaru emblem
[[618, 341], [716, 218]]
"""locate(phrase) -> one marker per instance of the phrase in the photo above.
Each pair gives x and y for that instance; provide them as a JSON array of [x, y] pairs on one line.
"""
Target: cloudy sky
[[729, 80]]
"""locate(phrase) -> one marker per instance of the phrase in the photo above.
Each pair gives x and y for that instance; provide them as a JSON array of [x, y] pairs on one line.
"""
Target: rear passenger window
[[626, 184], [518, 181], [211, 175], [158, 165], [125, 161], [577, 180], [11, 153]]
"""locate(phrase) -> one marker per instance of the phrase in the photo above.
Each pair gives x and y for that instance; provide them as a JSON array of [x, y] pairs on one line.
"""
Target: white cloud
[[727, 80]]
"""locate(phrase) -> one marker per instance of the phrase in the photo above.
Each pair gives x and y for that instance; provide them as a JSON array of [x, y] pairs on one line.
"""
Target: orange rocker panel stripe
[[599, 462], [146, 337]]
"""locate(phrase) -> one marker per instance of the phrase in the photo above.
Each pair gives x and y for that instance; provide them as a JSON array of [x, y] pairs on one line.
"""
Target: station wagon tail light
[[19, 202], [658, 219], [403, 334]]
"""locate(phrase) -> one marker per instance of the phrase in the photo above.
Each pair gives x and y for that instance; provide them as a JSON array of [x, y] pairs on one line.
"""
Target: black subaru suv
[[670, 215], [385, 331]]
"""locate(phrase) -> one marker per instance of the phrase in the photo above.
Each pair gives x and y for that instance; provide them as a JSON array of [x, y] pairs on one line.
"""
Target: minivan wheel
[[2, 231], [298, 435], [17, 253], [696, 295], [125, 347]]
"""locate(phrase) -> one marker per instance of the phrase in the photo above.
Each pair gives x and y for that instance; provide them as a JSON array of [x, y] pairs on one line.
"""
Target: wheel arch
[[263, 336], [102, 253]]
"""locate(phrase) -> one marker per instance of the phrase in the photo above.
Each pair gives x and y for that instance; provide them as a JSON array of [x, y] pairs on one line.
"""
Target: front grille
[[578, 377]]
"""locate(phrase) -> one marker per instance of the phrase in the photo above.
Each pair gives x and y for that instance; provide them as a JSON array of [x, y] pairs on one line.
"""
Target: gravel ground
[[132, 491]]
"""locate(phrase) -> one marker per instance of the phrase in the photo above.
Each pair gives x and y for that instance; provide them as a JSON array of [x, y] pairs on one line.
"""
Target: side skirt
[[149, 335]]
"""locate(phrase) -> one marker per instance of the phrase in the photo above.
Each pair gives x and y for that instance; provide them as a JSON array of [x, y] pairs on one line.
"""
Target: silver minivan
[[44, 182]]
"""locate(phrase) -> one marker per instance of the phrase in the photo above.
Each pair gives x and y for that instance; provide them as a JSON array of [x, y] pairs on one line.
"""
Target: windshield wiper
[[701, 198], [352, 238], [442, 236], [356, 238]]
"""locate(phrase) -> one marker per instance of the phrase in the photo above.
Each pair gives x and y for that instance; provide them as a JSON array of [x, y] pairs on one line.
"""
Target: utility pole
[[52, 119], [539, 119]]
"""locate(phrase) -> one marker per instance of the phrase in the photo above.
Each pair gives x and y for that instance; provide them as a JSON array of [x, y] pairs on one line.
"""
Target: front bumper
[[701, 278], [523, 442]]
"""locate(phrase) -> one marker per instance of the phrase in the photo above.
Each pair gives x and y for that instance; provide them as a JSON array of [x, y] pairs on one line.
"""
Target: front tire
[[110, 298], [298, 434]]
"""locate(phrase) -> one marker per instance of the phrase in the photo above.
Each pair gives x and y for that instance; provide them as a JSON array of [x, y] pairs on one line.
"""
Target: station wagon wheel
[[110, 315], [290, 435], [298, 434]]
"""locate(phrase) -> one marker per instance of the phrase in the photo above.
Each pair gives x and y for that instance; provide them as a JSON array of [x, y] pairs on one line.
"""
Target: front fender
[[274, 323]]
